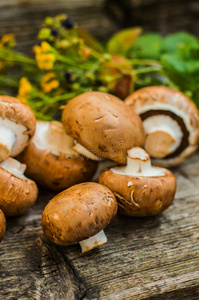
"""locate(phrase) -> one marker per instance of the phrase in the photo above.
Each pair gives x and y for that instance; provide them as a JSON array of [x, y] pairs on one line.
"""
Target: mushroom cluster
[[64, 156], [171, 122]]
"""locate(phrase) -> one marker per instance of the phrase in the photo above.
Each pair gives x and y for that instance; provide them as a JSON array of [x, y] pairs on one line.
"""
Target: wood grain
[[145, 258]]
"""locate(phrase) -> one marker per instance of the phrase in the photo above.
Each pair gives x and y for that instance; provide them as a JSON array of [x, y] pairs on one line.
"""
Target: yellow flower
[[24, 89], [48, 82], [7, 39], [44, 57]]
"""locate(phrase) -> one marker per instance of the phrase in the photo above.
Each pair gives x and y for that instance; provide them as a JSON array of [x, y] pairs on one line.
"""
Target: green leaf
[[122, 42], [182, 69], [148, 46], [89, 40], [178, 40]]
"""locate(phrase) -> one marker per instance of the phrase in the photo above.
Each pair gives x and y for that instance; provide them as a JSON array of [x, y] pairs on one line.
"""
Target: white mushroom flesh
[[14, 167], [51, 136], [165, 124], [139, 165], [13, 138], [93, 242], [80, 149], [183, 114]]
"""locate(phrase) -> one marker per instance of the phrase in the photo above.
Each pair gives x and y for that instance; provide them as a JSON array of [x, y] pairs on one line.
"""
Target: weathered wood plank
[[145, 258]]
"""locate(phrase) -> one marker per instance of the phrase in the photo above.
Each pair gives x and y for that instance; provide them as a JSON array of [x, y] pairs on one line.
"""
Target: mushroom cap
[[19, 117], [103, 124], [2, 225], [18, 194], [78, 213], [159, 100], [55, 170], [141, 196]]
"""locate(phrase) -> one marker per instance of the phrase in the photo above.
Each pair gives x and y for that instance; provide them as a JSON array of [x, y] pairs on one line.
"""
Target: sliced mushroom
[[18, 193], [51, 160], [140, 189], [2, 225], [17, 126], [103, 125], [79, 215], [171, 122]]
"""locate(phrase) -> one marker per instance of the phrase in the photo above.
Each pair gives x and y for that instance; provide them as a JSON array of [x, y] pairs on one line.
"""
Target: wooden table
[[149, 258]]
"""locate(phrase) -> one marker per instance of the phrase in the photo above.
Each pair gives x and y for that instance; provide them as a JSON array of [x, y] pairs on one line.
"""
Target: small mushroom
[[140, 189], [103, 125], [2, 225], [79, 215], [18, 193], [51, 160], [17, 126], [171, 122]]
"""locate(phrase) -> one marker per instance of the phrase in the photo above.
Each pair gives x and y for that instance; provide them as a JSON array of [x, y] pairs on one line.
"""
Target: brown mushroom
[[140, 189], [18, 193], [2, 225], [17, 126], [79, 215], [171, 122], [51, 160], [103, 125]]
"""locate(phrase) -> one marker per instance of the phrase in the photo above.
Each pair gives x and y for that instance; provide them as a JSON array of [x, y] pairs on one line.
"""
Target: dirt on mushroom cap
[[17, 194], [144, 196], [78, 213], [2, 225], [103, 124]]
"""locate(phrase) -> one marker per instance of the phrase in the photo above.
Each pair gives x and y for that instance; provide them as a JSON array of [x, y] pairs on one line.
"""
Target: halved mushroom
[[51, 160], [2, 225], [103, 125], [18, 193], [79, 215], [171, 122], [17, 126], [140, 189]]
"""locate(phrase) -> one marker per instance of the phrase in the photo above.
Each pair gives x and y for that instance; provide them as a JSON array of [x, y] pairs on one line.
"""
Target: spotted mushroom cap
[[78, 213], [104, 125], [159, 100]]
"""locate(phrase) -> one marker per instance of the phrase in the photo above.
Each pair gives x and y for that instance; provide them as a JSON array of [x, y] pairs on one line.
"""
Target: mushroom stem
[[14, 166], [163, 135], [138, 164], [93, 242], [80, 149], [7, 140]]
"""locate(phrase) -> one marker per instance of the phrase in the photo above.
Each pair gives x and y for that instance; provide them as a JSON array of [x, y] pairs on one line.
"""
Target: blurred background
[[101, 17]]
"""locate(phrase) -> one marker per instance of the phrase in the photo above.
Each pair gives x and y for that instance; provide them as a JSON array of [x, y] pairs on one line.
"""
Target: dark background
[[101, 18]]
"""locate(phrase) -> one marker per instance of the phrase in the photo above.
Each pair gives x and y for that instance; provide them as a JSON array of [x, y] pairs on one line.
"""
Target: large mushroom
[[51, 160], [18, 193], [103, 125], [2, 225], [79, 215], [171, 122], [17, 126], [140, 189]]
